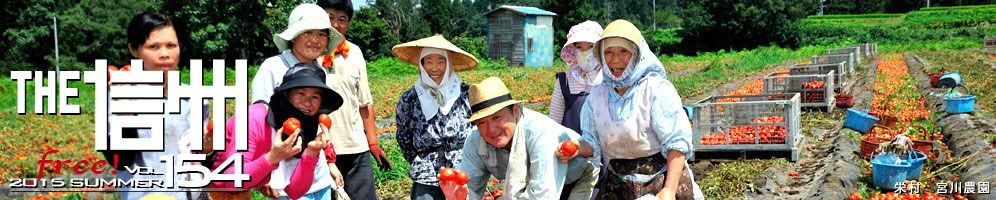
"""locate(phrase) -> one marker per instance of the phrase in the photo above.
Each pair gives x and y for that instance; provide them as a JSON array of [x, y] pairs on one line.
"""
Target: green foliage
[[399, 167], [88, 30], [960, 7], [229, 30], [854, 6], [725, 24], [947, 26], [945, 19], [665, 40], [477, 46], [747, 61], [569, 13], [371, 33], [857, 16], [716, 185]]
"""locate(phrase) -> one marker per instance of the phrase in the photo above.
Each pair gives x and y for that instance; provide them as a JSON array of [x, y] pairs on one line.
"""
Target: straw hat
[[488, 97], [409, 52], [303, 18]]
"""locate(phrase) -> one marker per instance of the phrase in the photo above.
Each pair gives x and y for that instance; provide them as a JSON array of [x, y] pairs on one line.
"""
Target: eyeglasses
[[316, 36]]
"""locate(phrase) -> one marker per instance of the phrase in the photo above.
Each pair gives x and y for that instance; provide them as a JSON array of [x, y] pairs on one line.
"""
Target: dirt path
[[830, 169], [962, 133]]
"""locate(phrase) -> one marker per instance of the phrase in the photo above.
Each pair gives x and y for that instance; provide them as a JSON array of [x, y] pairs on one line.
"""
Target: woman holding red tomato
[[277, 132], [634, 123]]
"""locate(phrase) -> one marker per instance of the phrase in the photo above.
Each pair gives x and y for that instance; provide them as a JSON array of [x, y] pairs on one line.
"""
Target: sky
[[358, 3]]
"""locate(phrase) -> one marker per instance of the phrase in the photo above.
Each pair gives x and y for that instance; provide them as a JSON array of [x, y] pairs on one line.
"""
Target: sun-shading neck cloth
[[584, 65], [433, 97], [644, 63]]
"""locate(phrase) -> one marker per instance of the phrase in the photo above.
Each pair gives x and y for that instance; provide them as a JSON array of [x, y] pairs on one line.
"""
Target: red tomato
[[291, 125], [793, 173], [210, 127], [461, 177], [324, 119], [569, 147], [126, 68], [447, 174]]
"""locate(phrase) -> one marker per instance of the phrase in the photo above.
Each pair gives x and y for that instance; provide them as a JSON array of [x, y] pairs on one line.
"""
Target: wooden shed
[[521, 35]]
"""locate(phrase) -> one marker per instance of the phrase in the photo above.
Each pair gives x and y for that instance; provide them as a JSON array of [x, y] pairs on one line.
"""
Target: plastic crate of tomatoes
[[839, 71], [765, 122], [849, 60], [812, 85]]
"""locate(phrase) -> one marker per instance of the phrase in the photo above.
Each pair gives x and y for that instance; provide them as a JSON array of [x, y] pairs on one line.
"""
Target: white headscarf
[[437, 97], [585, 66]]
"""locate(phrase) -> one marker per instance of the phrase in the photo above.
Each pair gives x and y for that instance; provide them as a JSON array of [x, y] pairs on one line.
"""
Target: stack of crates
[[815, 87], [848, 59], [838, 69], [848, 50], [766, 122]]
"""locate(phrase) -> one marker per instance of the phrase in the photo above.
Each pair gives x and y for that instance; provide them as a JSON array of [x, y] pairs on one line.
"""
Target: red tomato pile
[[895, 94], [746, 134], [891, 195], [753, 88], [813, 85]]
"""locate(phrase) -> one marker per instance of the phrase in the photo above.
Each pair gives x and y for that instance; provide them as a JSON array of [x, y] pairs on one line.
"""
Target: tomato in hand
[[210, 127], [291, 125], [324, 119], [569, 147], [461, 177], [447, 174]]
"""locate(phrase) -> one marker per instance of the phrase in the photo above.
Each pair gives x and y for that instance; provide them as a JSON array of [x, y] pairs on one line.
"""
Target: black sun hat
[[310, 75]]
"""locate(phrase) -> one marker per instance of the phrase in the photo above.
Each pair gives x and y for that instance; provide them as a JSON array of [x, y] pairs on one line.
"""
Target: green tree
[[439, 15], [370, 32], [88, 30], [230, 29], [720, 24], [569, 13]]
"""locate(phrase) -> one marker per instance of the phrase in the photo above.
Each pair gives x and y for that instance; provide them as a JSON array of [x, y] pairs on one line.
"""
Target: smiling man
[[519, 146]]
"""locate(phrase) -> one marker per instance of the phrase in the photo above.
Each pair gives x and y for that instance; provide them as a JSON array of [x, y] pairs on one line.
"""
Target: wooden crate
[[815, 87], [756, 122], [838, 71], [848, 58], [856, 50]]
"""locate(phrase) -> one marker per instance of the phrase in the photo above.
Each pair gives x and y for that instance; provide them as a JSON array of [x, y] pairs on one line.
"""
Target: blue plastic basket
[[916, 165], [860, 121], [886, 173], [949, 80], [962, 104]]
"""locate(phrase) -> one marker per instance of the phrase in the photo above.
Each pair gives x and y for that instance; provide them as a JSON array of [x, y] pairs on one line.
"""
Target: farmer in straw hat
[[431, 115], [519, 146]]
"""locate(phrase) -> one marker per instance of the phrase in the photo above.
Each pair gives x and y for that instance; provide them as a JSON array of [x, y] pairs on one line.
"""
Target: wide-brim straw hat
[[303, 18], [409, 52], [488, 97]]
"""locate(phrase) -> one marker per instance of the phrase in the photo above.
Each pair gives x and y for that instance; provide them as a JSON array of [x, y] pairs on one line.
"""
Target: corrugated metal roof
[[523, 10]]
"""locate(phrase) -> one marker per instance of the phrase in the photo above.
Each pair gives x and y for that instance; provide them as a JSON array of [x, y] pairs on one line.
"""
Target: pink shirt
[[255, 164]]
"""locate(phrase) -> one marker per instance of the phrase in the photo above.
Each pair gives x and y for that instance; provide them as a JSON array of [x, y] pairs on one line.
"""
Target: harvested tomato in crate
[[766, 122], [812, 85]]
